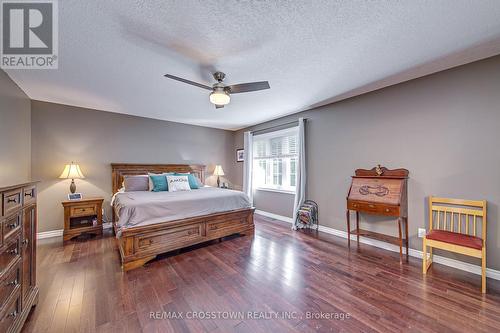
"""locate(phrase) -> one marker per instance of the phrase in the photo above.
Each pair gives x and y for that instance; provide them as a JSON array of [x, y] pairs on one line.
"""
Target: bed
[[147, 224]]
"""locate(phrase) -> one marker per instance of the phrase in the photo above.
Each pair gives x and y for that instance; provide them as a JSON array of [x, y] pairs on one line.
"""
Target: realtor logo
[[29, 34]]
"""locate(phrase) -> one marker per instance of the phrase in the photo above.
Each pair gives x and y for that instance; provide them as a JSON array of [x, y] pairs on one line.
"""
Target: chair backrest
[[457, 215]]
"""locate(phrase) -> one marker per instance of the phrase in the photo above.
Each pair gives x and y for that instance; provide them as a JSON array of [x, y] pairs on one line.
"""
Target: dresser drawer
[[83, 210], [10, 313], [29, 195], [12, 225], [12, 200], [10, 253], [9, 283]]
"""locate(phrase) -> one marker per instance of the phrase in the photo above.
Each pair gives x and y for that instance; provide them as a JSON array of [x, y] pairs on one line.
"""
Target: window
[[275, 160]]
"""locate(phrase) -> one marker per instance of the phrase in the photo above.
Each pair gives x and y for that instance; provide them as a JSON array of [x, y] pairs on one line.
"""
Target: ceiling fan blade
[[247, 87], [219, 106], [188, 82]]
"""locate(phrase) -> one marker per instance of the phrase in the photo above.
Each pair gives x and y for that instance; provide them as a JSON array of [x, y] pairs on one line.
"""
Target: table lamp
[[72, 171], [218, 172]]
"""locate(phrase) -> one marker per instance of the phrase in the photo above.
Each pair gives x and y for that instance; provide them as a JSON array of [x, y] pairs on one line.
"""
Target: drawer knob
[[13, 251], [28, 194], [9, 200], [12, 283], [26, 241], [13, 314], [371, 206], [11, 225], [355, 205], [387, 210]]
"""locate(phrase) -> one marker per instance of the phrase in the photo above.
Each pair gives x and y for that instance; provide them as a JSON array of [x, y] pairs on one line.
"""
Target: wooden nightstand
[[82, 216]]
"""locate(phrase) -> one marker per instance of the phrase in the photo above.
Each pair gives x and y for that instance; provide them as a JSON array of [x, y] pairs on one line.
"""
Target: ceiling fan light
[[219, 98]]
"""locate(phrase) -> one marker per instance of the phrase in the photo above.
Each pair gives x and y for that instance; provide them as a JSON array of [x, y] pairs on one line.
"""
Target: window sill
[[274, 190]]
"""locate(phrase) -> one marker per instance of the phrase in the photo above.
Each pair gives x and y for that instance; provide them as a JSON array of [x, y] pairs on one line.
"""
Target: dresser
[[384, 192], [18, 225]]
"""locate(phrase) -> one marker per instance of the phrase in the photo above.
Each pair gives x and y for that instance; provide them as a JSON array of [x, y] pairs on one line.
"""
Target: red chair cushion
[[456, 238]]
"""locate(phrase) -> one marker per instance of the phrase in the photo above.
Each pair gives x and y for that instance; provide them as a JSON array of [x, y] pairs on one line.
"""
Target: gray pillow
[[136, 183]]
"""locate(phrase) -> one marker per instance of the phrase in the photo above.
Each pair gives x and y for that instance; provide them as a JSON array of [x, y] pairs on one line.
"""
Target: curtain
[[247, 165], [300, 189]]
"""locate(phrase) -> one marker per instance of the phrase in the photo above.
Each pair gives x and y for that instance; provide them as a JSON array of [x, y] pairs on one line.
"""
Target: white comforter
[[143, 208]]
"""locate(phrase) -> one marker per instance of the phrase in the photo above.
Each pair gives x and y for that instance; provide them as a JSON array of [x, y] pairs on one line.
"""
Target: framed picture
[[75, 196], [240, 155]]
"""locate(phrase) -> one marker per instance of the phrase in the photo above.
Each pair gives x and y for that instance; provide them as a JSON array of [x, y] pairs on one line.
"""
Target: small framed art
[[75, 196], [240, 155]]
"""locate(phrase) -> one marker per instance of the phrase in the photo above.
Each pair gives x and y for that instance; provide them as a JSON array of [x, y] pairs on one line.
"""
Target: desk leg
[[357, 227], [348, 219], [407, 238], [400, 242]]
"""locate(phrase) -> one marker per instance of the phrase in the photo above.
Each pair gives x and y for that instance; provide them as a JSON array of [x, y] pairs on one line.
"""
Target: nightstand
[[82, 216]]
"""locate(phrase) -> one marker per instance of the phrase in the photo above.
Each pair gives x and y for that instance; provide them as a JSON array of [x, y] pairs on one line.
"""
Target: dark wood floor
[[276, 273]]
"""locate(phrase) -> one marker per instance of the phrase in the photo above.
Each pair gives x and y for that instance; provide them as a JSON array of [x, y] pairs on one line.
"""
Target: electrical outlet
[[421, 232]]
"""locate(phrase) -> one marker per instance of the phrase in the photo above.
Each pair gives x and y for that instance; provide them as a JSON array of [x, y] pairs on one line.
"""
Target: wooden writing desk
[[380, 191]]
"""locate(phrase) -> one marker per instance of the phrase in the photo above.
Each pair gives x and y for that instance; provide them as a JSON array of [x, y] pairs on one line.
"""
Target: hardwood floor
[[276, 273]]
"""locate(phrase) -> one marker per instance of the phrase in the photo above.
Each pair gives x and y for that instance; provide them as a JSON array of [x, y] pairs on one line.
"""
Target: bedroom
[[352, 86]]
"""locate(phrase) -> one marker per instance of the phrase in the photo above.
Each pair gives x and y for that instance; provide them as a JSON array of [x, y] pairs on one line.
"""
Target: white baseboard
[[274, 216], [59, 233], [49, 234], [464, 266]]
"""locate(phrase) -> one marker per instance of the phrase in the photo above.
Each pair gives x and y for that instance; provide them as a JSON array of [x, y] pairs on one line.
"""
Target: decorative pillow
[[193, 184], [199, 182], [159, 183], [178, 183], [136, 183], [157, 174]]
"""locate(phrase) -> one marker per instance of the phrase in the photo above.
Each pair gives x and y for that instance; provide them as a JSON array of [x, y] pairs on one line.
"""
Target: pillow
[[136, 183], [193, 184], [178, 183], [159, 183], [157, 174], [199, 182]]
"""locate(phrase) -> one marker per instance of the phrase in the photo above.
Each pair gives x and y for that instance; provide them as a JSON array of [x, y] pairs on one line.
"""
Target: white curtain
[[300, 189], [247, 165]]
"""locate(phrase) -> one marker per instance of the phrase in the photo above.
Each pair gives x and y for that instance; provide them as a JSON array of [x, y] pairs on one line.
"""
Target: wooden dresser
[[384, 192], [18, 225]]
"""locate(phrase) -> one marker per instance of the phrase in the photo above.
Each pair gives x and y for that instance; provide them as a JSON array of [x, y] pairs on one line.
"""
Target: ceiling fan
[[221, 94]]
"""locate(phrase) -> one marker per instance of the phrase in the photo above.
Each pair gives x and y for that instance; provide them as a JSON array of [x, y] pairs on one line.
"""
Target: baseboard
[[49, 234], [59, 233], [274, 216], [464, 266]]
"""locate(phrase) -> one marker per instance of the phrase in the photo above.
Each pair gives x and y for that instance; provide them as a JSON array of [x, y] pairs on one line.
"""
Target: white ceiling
[[113, 53]]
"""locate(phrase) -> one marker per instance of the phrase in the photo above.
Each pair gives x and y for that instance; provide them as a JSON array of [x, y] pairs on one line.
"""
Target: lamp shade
[[218, 171], [72, 171]]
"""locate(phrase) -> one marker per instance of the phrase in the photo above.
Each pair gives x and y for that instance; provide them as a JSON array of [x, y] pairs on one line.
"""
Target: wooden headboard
[[119, 170]]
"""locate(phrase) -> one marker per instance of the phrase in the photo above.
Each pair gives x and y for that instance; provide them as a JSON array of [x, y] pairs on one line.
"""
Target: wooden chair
[[450, 222]]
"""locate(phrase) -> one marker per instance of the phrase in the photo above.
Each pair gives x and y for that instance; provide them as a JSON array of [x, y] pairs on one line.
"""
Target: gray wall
[[444, 128], [94, 139], [15, 133], [276, 203]]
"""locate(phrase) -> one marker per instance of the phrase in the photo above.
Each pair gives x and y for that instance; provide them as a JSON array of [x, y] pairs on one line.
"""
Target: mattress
[[144, 208]]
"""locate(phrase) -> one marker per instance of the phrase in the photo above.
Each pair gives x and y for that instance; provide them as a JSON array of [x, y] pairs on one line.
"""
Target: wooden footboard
[[141, 244]]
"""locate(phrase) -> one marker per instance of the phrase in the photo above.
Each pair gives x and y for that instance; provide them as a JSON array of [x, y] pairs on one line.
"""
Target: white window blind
[[275, 160]]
